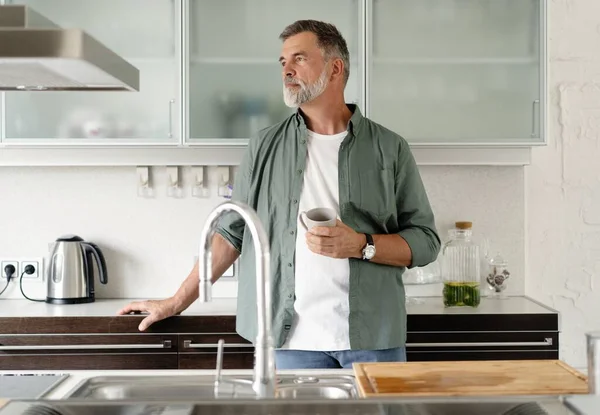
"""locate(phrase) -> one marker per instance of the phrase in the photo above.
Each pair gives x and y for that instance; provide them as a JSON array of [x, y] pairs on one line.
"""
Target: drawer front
[[208, 343], [199, 351], [482, 322], [236, 360], [91, 361], [478, 341], [86, 344], [469, 355]]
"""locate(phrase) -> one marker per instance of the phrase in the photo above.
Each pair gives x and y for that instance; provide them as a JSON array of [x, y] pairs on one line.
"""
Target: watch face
[[369, 251]]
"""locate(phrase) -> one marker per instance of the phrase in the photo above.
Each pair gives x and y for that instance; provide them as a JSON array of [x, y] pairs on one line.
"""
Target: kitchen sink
[[151, 388]]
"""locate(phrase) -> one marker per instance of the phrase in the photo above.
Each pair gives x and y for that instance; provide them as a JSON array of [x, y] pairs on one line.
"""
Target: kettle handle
[[97, 252]]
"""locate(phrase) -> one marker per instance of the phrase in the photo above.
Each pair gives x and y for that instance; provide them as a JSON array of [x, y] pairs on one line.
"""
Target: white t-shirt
[[322, 306]]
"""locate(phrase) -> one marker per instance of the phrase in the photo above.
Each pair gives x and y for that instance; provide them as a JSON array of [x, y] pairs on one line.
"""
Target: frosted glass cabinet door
[[457, 71], [145, 33], [235, 85]]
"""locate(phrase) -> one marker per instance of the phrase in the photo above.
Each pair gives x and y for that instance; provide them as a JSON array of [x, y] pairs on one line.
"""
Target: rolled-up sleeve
[[231, 226], [415, 216]]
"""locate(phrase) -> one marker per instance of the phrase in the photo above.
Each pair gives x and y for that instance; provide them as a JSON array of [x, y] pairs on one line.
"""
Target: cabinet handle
[[535, 102], [166, 344], [546, 342], [171, 102], [187, 344]]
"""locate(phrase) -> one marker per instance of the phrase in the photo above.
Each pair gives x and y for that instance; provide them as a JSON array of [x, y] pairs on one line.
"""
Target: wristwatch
[[368, 251]]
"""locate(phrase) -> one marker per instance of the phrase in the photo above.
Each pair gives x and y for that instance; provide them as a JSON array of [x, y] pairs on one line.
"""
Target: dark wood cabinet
[[190, 341], [73, 352], [114, 343], [98, 361], [447, 337]]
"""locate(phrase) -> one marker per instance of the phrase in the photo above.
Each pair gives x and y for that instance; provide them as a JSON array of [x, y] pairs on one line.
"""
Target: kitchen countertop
[[105, 308], [227, 307]]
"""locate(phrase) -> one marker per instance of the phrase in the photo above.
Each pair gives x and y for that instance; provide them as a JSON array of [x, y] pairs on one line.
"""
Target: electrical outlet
[[230, 273], [37, 263], [14, 263]]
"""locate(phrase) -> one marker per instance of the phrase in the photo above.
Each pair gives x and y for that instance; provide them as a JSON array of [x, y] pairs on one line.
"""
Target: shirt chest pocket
[[376, 193]]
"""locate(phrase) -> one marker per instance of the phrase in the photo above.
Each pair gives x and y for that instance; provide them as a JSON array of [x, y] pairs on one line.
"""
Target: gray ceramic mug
[[318, 217]]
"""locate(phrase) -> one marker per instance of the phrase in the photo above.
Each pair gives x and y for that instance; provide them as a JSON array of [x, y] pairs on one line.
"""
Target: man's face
[[304, 69]]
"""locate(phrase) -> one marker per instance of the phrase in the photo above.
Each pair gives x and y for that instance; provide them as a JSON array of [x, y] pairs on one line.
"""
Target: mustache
[[292, 80]]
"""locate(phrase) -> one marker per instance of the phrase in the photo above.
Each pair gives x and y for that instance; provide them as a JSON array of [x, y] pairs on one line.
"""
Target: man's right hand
[[157, 309]]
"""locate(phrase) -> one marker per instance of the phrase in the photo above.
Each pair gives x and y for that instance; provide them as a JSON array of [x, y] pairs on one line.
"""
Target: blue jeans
[[302, 359]]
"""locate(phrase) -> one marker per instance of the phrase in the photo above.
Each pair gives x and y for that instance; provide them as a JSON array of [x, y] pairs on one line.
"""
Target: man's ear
[[337, 68]]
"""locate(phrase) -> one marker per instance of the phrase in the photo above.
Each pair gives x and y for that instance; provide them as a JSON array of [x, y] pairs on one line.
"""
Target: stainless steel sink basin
[[153, 388]]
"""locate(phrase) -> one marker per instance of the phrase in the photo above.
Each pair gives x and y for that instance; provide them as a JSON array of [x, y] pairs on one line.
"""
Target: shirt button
[[303, 141], [299, 171], [290, 296], [289, 264], [295, 201], [292, 232]]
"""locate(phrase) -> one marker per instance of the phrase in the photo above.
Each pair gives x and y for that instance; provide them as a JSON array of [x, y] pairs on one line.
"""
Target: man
[[338, 295]]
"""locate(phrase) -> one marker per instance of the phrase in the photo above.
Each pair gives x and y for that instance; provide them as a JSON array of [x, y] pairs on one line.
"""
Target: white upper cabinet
[[143, 32], [458, 71], [234, 77], [437, 72]]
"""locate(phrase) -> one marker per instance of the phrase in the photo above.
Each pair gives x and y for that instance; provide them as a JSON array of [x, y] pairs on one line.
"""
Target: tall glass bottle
[[461, 268]]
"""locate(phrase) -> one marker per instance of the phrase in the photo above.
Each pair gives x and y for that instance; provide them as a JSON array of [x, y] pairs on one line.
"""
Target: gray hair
[[329, 40]]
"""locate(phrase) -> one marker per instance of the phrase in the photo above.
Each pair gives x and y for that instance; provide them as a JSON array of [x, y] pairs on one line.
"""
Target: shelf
[[456, 61], [230, 155]]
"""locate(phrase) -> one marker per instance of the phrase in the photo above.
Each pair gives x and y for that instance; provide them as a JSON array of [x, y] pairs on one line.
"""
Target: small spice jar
[[497, 275]]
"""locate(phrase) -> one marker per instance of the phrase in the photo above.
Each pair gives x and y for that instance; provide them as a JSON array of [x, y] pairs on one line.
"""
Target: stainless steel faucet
[[264, 381]]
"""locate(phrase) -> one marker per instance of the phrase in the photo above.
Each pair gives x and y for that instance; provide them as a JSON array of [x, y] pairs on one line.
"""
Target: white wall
[[150, 243], [563, 182]]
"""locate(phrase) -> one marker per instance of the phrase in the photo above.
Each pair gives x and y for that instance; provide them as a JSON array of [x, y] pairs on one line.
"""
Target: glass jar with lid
[[497, 275], [461, 268]]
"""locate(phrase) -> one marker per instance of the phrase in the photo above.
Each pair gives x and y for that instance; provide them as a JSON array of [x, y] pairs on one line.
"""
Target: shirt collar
[[353, 124]]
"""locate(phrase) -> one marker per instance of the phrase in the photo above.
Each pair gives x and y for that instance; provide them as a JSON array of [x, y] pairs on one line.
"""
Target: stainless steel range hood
[[37, 55]]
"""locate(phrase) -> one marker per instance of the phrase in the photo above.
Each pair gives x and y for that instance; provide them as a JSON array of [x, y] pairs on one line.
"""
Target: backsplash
[[150, 244]]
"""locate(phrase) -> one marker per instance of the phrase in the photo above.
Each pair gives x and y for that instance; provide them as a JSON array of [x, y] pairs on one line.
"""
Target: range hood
[[38, 55]]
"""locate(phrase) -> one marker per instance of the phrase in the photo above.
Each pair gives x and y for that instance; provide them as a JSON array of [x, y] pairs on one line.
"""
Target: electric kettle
[[70, 271]]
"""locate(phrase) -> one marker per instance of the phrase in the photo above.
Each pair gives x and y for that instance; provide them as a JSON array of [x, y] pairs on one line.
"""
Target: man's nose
[[288, 71]]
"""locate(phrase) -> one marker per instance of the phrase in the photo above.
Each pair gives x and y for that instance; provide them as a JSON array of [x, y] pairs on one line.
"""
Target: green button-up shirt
[[380, 192]]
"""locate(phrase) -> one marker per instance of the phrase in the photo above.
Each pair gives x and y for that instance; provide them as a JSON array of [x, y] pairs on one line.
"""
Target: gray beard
[[294, 99]]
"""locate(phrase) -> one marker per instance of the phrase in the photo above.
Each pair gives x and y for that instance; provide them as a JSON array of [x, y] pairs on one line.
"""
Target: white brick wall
[[563, 182]]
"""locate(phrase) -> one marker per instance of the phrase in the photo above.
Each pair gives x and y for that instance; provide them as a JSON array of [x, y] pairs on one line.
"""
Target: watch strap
[[369, 244]]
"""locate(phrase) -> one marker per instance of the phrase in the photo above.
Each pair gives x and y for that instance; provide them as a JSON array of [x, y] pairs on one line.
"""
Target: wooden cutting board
[[485, 378]]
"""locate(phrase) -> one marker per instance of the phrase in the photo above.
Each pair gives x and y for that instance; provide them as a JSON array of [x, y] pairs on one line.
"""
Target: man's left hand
[[340, 241]]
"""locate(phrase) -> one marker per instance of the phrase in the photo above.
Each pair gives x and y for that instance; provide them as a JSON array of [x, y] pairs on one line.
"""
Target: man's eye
[[300, 58]]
